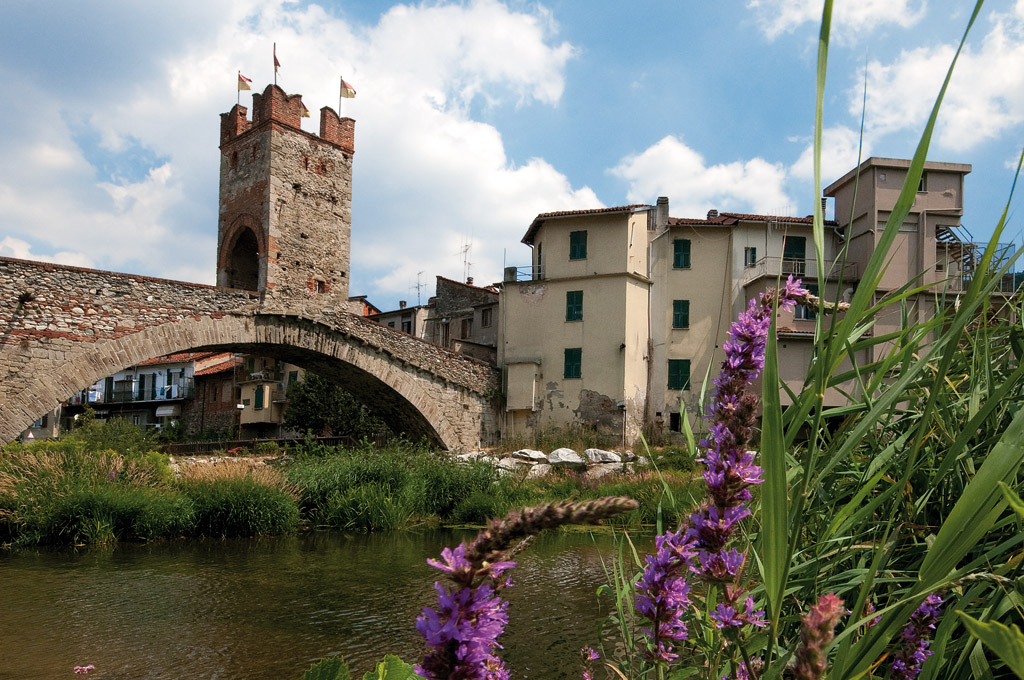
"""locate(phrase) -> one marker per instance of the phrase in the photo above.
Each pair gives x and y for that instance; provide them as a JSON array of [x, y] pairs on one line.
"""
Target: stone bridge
[[63, 328]]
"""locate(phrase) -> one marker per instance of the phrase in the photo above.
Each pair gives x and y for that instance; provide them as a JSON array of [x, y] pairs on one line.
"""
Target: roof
[[727, 219], [221, 367], [898, 163], [539, 219], [487, 289], [179, 358]]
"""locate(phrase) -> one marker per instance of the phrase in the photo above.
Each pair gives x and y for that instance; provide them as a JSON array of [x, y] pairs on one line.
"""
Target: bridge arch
[[418, 402]]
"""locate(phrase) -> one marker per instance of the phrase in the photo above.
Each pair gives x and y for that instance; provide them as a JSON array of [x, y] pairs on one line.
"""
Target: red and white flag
[[347, 91], [305, 111], [277, 64], [243, 82]]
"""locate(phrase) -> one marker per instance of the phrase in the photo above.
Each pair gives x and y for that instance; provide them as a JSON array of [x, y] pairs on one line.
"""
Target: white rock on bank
[[565, 456], [539, 470], [510, 463], [602, 456], [601, 470], [529, 454]]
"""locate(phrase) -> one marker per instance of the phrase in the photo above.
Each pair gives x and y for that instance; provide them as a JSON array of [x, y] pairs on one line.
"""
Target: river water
[[266, 609]]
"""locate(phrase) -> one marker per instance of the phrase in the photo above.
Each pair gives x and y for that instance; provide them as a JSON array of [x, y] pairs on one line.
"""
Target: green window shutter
[[152, 386], [573, 362], [293, 376], [681, 253], [108, 389], [142, 388], [574, 305], [258, 401], [794, 255], [680, 314], [577, 245], [679, 374]]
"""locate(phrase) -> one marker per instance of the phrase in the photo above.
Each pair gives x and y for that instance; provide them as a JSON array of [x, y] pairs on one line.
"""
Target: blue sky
[[472, 117]]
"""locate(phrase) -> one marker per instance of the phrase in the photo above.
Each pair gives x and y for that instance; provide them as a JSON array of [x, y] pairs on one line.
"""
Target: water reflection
[[266, 609]]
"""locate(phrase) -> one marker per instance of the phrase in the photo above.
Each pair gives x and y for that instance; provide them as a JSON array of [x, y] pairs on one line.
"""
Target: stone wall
[[63, 328], [293, 190]]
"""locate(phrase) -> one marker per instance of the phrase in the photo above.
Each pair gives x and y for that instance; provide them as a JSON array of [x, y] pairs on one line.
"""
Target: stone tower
[[285, 204]]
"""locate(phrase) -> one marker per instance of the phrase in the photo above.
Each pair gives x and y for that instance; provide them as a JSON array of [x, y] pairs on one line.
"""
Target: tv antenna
[[467, 246], [419, 286]]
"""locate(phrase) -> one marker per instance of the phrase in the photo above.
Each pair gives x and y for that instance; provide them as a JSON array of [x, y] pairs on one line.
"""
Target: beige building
[[619, 320]]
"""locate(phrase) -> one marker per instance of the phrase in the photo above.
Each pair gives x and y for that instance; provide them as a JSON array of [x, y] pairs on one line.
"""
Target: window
[[577, 245], [674, 422], [681, 253], [320, 286], [679, 374], [680, 314], [407, 326], [446, 333], [794, 255], [805, 312], [749, 256], [923, 184], [142, 388], [258, 401], [467, 328], [574, 305], [293, 376], [391, 324], [250, 364], [486, 317], [573, 362]]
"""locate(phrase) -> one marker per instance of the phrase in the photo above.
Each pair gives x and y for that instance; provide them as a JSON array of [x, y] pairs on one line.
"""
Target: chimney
[[401, 304], [712, 213], [824, 205], [661, 213], [469, 280]]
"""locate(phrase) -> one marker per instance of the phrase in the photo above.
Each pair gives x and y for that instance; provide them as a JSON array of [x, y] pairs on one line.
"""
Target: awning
[[164, 411]]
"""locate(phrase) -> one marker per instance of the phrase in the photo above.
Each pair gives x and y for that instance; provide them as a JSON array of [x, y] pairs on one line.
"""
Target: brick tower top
[[277, 106], [285, 204]]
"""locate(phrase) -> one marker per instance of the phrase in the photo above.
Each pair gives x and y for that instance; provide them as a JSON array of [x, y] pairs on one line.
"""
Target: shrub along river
[[265, 609]]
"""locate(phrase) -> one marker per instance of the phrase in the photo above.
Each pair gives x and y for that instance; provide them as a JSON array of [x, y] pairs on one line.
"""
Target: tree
[[318, 405]]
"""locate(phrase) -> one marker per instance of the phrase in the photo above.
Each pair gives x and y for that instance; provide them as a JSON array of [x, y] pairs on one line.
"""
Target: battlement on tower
[[277, 106]]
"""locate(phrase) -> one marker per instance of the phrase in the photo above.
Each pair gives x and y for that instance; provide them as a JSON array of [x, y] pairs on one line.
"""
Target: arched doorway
[[243, 268]]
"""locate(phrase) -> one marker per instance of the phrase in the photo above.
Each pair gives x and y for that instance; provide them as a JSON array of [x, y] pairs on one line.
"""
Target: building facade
[[618, 322]]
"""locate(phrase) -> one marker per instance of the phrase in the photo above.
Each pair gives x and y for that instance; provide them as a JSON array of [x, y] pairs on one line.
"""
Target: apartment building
[[619, 320]]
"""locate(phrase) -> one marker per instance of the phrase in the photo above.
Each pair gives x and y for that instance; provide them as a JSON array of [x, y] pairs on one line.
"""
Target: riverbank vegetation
[[74, 492]]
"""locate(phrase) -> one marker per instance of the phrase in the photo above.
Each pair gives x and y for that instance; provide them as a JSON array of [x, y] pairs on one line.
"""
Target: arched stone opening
[[243, 265]]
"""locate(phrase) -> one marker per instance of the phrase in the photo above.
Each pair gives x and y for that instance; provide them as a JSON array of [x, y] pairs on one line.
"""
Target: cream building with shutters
[[619, 320]]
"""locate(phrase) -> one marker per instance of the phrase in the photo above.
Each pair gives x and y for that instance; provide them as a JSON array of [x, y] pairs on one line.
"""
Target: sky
[[472, 117]]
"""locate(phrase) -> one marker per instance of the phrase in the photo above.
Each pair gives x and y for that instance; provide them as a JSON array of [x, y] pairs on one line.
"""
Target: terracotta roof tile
[[218, 368]]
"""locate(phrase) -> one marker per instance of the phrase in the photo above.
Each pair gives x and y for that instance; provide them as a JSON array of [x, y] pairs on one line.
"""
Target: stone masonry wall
[[62, 328]]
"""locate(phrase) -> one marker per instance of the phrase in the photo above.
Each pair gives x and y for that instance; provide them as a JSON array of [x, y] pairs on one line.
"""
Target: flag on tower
[[277, 64], [347, 91], [305, 111], [243, 82]]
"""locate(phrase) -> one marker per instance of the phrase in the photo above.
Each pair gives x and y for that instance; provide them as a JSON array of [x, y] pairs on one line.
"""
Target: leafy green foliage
[[318, 405], [331, 668], [1006, 641], [240, 506]]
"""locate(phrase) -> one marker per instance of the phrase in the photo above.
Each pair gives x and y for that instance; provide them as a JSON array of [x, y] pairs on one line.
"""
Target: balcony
[[176, 391], [782, 267], [527, 273]]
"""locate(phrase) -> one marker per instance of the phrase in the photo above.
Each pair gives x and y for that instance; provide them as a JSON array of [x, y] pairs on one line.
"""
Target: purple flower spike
[[663, 594], [817, 630], [913, 651]]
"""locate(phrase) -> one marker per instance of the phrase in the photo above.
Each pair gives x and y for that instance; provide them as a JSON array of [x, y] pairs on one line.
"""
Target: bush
[[239, 500], [369, 507]]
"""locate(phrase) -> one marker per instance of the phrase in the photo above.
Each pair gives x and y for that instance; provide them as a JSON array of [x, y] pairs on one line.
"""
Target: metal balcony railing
[[527, 273], [774, 267], [176, 391]]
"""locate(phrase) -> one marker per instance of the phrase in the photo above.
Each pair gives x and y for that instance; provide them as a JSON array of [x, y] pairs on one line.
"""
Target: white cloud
[[985, 97], [13, 247], [427, 173], [839, 152], [850, 20], [671, 168]]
